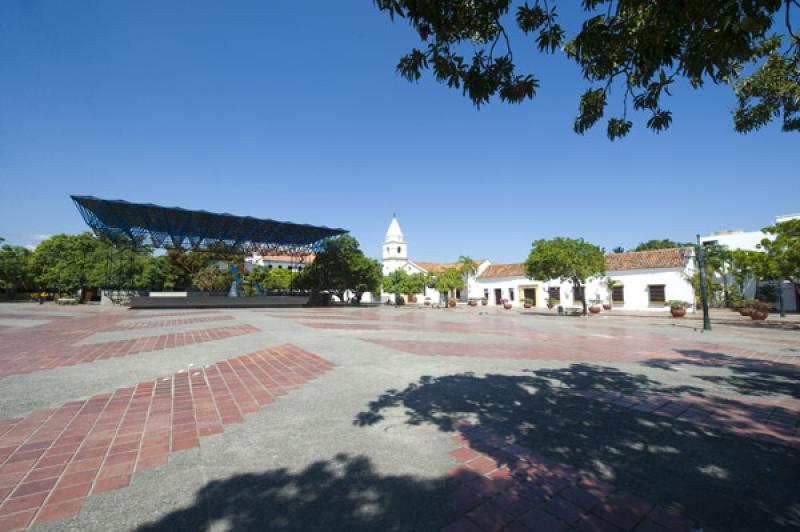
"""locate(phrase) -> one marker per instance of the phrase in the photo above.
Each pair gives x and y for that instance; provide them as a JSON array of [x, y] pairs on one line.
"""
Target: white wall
[[635, 283], [747, 240], [677, 286], [517, 284]]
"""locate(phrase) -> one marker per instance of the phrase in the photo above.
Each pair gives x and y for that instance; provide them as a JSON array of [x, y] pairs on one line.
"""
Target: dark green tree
[[571, 259], [448, 281], [662, 243], [339, 267], [15, 269], [638, 48], [783, 255]]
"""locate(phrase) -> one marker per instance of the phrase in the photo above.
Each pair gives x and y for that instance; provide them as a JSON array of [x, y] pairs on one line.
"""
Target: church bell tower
[[395, 248]]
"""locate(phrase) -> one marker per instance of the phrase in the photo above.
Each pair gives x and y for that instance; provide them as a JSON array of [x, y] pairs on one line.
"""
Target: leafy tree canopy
[[566, 259], [448, 280], [639, 48], [783, 251], [662, 243], [15, 270], [341, 266], [270, 278], [468, 265], [213, 278], [400, 282]]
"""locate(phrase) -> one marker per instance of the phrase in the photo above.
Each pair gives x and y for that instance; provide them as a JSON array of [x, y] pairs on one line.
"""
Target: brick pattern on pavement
[[29, 352], [504, 486], [771, 421], [51, 460], [586, 351], [127, 326], [177, 313]]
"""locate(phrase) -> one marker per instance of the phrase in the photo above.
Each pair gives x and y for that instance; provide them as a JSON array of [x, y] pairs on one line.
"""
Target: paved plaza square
[[391, 418]]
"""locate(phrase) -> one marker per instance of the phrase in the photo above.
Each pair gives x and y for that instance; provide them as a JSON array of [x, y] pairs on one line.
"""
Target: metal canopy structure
[[187, 230]]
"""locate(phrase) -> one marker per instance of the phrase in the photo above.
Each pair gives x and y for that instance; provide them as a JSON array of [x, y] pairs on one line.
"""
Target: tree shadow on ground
[[345, 493], [748, 376], [719, 479]]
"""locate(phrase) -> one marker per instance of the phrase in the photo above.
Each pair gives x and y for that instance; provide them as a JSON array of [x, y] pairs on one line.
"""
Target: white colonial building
[[643, 281], [288, 262], [394, 256]]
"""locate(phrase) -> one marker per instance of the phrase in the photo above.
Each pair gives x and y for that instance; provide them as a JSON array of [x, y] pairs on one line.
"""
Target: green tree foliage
[[468, 266], [270, 278], [448, 281], [213, 278], [67, 263], [743, 266], [637, 49], [662, 243], [401, 283], [562, 258], [339, 267], [15, 271], [784, 249]]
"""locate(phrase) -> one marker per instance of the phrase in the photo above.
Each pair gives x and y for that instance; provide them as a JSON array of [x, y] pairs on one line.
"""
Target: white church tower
[[395, 249]]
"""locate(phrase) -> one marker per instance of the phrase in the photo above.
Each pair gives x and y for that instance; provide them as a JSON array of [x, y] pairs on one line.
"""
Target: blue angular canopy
[[176, 228]]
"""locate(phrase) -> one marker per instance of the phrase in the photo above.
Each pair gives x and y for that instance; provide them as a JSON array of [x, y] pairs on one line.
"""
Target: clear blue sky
[[293, 111]]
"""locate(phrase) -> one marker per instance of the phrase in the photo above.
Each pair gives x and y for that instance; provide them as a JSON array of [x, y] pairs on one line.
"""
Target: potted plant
[[549, 301], [472, 302], [528, 303], [506, 304], [451, 302], [595, 308], [747, 307], [485, 301], [760, 311], [427, 301], [677, 308], [399, 300]]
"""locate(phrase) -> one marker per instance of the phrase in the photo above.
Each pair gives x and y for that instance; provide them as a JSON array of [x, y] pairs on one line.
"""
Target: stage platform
[[217, 301]]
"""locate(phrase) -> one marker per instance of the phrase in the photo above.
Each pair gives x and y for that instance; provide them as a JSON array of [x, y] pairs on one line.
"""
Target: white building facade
[[643, 281]]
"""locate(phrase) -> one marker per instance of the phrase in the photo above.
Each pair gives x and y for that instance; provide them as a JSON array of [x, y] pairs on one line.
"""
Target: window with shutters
[[656, 294], [618, 295], [554, 293]]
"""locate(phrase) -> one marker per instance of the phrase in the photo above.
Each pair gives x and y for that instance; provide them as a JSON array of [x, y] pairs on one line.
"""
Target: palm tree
[[469, 268]]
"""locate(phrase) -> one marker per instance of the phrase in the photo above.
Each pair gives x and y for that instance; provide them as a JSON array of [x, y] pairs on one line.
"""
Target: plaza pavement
[[351, 418]]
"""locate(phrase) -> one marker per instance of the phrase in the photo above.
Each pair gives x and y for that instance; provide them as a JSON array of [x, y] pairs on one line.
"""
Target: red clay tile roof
[[440, 266], [308, 259], [504, 270], [644, 260]]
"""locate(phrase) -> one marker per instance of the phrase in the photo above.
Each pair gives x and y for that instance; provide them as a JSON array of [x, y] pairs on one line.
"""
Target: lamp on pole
[[701, 262]]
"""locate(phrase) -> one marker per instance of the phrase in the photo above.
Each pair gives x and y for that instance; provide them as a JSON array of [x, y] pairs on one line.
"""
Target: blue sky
[[293, 111]]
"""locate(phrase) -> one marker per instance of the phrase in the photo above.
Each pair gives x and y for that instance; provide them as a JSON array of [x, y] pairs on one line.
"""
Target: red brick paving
[[51, 460], [589, 350], [166, 323], [504, 486], [28, 351], [772, 421], [183, 313]]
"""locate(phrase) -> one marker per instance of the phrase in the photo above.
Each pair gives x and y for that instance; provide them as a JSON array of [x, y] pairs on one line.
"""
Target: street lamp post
[[703, 293]]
